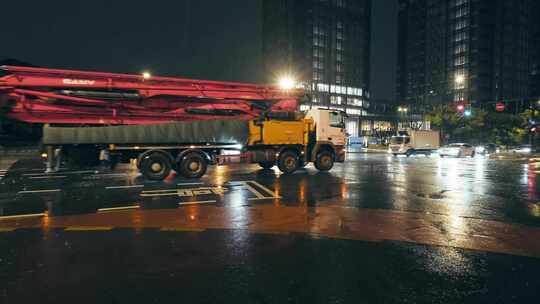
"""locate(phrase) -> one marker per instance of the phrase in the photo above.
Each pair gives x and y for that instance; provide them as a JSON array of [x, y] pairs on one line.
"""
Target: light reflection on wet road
[[437, 231], [472, 188]]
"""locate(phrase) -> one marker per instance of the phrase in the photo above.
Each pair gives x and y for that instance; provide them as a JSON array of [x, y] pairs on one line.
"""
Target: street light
[[460, 79], [287, 82], [146, 75]]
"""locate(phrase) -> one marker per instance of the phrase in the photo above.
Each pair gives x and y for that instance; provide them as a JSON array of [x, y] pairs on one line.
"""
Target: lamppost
[[402, 112]]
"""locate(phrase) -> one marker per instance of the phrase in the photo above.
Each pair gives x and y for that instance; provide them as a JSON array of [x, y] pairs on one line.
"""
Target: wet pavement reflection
[[460, 188], [375, 229]]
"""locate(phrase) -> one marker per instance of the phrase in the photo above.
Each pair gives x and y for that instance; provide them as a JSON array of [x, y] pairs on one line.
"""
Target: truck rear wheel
[[193, 165], [267, 165], [288, 162], [325, 161], [156, 166]]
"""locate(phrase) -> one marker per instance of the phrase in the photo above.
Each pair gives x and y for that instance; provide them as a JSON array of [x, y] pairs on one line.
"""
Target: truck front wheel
[[324, 161], [288, 162], [156, 166], [193, 165]]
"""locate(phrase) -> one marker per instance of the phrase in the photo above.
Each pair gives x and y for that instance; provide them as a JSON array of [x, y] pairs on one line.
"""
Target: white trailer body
[[417, 142]]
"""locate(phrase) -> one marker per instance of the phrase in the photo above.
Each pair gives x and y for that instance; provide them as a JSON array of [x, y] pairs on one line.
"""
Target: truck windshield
[[398, 140], [337, 120]]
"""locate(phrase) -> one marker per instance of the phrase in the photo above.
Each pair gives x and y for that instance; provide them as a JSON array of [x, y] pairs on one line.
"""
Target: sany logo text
[[79, 81]]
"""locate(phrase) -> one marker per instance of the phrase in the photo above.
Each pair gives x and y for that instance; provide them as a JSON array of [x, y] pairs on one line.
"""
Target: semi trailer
[[286, 140]]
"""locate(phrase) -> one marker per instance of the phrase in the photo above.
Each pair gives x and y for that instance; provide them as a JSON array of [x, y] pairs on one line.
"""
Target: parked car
[[457, 150], [487, 149]]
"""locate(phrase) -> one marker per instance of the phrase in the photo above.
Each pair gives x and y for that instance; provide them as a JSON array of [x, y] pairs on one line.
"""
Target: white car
[[523, 149], [457, 150]]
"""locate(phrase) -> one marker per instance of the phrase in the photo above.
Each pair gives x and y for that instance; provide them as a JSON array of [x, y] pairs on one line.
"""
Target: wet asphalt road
[[374, 230], [473, 188]]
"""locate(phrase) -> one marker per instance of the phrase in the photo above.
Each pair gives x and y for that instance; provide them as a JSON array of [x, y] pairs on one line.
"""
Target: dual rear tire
[[289, 161], [157, 166]]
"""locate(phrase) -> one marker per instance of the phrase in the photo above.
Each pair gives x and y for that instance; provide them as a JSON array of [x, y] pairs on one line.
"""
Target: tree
[[482, 126]]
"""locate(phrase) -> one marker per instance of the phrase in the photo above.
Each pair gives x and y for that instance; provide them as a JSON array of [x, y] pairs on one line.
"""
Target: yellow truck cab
[[318, 137]]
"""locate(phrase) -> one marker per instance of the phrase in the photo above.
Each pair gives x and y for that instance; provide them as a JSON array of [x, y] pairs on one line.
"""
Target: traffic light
[[468, 111], [533, 129], [460, 108]]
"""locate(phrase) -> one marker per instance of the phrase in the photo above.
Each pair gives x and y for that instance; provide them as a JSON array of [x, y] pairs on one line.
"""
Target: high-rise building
[[325, 45], [467, 51]]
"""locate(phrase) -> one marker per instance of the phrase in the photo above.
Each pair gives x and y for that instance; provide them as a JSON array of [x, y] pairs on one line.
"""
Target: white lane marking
[[263, 198], [272, 193], [189, 184], [62, 172], [176, 190], [254, 191], [118, 208], [48, 177], [159, 194], [124, 187], [39, 191], [112, 174], [259, 196], [21, 216], [196, 203]]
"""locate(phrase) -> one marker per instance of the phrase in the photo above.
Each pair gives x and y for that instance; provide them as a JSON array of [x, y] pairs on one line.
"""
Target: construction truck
[[190, 147], [169, 123]]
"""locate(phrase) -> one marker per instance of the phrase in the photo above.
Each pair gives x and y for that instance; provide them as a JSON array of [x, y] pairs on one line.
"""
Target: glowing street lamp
[[287, 82], [460, 79], [146, 75]]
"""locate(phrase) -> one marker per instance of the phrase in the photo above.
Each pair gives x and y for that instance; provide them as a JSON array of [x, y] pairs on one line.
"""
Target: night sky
[[205, 39]]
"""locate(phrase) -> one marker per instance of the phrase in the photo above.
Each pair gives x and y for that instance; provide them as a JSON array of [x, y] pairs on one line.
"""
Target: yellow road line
[[181, 229], [118, 208], [196, 203], [21, 216], [89, 228]]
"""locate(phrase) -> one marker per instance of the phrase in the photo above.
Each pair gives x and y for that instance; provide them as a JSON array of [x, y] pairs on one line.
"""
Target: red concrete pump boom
[[38, 95]]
